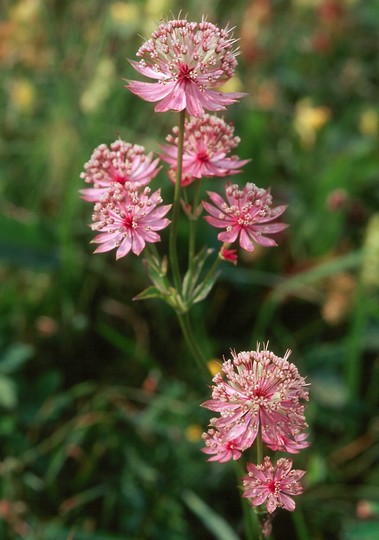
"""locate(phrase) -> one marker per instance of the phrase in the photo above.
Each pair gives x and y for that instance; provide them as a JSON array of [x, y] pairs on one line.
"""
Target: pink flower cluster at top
[[207, 143], [257, 393], [126, 215], [189, 60]]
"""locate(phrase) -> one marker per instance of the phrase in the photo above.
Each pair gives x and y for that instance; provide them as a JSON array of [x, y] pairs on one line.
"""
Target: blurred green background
[[100, 421]]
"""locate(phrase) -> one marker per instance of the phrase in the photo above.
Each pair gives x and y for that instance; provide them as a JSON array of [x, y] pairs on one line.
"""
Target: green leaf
[[202, 290], [193, 274], [15, 357], [8, 394], [212, 521], [151, 292], [367, 530]]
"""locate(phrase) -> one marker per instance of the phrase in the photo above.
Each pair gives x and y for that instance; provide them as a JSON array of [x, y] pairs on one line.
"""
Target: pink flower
[[218, 444], [188, 59], [122, 162], [272, 485], [247, 214], [260, 391], [207, 142], [127, 219], [229, 255]]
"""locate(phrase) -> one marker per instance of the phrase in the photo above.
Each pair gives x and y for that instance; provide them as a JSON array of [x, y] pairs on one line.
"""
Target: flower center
[[202, 156], [185, 73]]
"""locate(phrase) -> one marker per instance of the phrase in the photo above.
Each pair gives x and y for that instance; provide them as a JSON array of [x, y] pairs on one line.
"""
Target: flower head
[[121, 163], [188, 59], [207, 143], [246, 215], [272, 485], [260, 390], [127, 218], [218, 444]]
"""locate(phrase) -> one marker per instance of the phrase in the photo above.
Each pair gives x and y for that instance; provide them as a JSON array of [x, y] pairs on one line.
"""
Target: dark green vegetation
[[100, 416]]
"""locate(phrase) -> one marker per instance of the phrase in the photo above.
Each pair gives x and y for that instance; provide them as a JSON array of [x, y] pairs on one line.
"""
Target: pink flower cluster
[[126, 215], [207, 143], [258, 394], [190, 60], [246, 215]]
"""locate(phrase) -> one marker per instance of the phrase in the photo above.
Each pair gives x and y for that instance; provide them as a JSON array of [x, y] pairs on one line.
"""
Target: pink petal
[[150, 91]]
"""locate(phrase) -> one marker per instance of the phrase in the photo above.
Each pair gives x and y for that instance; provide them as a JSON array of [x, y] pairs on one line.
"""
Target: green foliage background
[[100, 421]]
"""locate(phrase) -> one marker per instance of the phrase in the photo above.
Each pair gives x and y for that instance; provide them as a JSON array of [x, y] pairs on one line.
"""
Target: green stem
[[196, 352], [176, 206], [193, 223]]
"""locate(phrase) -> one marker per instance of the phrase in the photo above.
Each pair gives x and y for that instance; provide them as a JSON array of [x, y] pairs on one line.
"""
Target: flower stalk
[[173, 254]]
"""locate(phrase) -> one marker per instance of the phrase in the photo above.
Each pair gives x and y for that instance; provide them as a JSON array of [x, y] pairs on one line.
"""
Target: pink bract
[[260, 391], [122, 162], [207, 142], [272, 485], [189, 60], [246, 215], [127, 219]]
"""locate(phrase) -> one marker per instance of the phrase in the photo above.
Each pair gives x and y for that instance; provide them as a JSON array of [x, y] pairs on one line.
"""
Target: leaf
[[8, 394], [15, 357], [192, 275], [212, 521], [204, 289], [151, 292]]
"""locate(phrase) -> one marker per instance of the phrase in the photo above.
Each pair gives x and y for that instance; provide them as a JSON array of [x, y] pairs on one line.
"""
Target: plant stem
[[193, 222], [176, 206], [197, 353]]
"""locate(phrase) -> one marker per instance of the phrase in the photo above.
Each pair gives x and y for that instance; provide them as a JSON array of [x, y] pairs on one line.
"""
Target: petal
[[174, 101], [150, 91], [147, 71]]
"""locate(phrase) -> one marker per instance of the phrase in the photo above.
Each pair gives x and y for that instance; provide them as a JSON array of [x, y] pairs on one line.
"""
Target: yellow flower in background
[[22, 95], [99, 87], [25, 11], [232, 85], [214, 367], [193, 433], [125, 16], [369, 122], [157, 8], [309, 119]]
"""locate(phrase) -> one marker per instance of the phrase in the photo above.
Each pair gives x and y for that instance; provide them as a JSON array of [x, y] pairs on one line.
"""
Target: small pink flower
[[122, 162], [127, 219], [272, 485], [188, 59], [260, 391], [218, 444], [229, 255], [206, 145], [246, 215]]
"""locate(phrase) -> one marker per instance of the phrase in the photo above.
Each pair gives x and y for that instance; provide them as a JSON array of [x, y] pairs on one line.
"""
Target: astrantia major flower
[[220, 447], [260, 391], [272, 485], [189, 60], [127, 218], [122, 162], [207, 142], [246, 214]]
